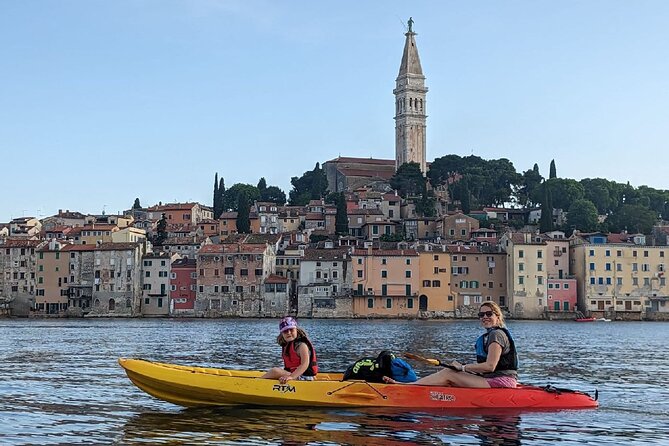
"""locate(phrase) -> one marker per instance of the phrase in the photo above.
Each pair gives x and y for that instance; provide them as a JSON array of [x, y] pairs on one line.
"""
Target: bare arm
[[303, 353], [494, 353]]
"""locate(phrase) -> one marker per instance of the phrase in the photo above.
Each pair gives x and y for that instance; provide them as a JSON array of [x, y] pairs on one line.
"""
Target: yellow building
[[385, 282], [434, 293], [619, 280], [526, 256]]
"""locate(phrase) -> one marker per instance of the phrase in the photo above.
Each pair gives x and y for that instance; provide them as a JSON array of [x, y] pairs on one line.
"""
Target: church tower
[[410, 106]]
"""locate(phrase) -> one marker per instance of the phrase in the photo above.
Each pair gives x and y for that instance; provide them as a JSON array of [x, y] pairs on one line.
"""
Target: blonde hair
[[300, 334], [495, 309]]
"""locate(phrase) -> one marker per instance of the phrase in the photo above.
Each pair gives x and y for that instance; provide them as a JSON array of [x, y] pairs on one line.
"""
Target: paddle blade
[[415, 357]]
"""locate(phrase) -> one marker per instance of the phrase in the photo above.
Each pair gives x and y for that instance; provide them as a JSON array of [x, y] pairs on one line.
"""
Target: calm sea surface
[[60, 383]]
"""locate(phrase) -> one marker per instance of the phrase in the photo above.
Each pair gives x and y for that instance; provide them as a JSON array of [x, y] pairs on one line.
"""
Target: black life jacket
[[371, 369], [508, 361]]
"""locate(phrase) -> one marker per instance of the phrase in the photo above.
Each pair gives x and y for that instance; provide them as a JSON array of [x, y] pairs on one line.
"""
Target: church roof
[[410, 60]]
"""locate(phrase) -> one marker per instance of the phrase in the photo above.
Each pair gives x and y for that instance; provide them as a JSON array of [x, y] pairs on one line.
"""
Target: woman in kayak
[[299, 356], [496, 359]]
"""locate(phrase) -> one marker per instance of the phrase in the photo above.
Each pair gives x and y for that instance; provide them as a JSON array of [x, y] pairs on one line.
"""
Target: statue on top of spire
[[410, 23]]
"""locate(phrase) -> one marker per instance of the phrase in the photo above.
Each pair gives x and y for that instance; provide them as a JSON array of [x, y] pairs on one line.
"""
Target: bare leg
[[275, 373], [449, 378]]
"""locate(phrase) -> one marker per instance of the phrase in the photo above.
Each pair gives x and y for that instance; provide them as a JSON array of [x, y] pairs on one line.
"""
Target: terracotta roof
[[315, 216], [70, 248], [116, 246], [172, 207], [385, 252], [227, 215], [325, 254], [274, 278], [19, 243], [373, 161]]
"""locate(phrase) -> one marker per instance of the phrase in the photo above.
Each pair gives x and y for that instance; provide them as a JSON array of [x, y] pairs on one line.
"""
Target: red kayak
[[585, 319]]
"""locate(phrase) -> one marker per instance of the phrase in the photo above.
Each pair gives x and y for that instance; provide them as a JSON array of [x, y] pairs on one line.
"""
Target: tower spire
[[410, 105]]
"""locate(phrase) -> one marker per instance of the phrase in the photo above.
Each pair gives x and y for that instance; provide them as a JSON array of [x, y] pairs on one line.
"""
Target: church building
[[349, 173]]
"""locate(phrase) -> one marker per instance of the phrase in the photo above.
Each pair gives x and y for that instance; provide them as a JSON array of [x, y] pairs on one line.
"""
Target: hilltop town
[[360, 238]]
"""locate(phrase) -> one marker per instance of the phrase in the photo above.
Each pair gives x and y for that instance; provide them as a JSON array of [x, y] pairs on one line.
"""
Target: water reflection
[[319, 426]]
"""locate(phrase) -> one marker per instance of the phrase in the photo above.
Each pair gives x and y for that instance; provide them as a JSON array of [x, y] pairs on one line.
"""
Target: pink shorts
[[503, 381]]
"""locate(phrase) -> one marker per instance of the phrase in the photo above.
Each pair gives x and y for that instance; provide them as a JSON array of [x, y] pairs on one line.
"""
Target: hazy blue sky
[[105, 101]]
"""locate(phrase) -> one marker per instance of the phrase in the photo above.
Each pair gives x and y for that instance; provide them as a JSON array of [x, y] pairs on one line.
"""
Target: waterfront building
[[117, 279], [275, 296], [526, 255], [478, 274], [385, 282], [619, 280], [156, 270], [562, 287], [53, 276], [81, 259], [420, 228], [227, 224], [231, 276], [288, 259], [17, 274], [325, 283], [290, 218], [435, 297], [183, 286], [268, 217]]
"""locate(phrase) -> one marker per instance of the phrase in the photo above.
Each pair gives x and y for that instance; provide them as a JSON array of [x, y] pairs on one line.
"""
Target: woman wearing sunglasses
[[496, 359]]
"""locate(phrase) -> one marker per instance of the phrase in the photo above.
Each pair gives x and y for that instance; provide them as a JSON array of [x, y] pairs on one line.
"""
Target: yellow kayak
[[200, 386]]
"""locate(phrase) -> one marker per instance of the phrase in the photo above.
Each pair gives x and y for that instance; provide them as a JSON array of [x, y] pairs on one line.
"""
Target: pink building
[[561, 295]]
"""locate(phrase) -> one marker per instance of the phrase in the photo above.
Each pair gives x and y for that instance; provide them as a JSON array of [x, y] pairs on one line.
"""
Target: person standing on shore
[[299, 356]]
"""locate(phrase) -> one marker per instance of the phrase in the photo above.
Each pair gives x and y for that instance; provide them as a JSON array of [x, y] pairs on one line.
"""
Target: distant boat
[[603, 319], [585, 319]]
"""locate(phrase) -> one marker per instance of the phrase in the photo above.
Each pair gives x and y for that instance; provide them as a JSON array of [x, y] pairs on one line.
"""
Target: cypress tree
[[216, 204], [553, 172], [243, 210], [546, 220], [221, 198], [341, 219]]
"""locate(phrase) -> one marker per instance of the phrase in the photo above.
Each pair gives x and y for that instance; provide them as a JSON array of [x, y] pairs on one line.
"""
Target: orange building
[[385, 282], [435, 273]]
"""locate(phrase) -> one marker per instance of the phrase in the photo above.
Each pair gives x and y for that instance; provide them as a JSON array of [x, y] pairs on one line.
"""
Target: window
[[389, 303], [407, 274], [408, 290], [592, 253], [436, 283], [608, 281], [384, 274], [408, 261], [239, 289], [607, 253], [243, 272], [521, 267], [384, 290], [635, 281], [619, 267], [359, 261], [540, 254], [384, 261], [565, 286], [258, 272], [410, 302], [370, 303], [592, 281], [540, 280], [436, 257], [436, 270], [359, 273], [427, 283], [521, 280], [608, 267], [540, 266], [592, 266], [521, 253]]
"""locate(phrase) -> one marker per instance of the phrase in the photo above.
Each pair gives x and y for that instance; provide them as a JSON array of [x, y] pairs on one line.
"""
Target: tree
[[216, 204], [274, 195], [465, 196], [312, 185], [583, 215], [632, 218], [408, 180], [243, 210], [341, 219], [161, 231], [136, 204], [231, 196], [221, 198], [530, 182], [564, 192], [546, 221], [262, 184], [553, 172]]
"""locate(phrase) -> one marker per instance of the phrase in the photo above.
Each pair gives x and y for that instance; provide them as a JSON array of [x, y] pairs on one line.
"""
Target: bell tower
[[410, 106]]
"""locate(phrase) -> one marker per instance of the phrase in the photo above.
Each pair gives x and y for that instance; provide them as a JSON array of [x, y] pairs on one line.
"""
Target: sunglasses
[[486, 313]]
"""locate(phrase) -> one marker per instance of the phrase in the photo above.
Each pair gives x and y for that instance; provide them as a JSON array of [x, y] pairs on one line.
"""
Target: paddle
[[431, 361]]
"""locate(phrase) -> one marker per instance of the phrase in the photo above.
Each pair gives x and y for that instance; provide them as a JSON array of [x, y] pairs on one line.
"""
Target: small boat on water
[[603, 319], [201, 386], [585, 319]]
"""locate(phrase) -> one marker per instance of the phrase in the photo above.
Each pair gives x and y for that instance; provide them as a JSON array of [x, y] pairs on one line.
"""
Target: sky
[[105, 101]]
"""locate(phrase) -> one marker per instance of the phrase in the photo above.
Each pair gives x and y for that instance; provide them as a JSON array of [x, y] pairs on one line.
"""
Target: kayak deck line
[[204, 386]]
